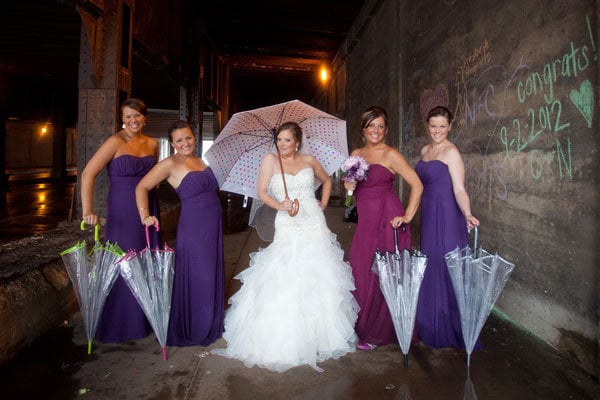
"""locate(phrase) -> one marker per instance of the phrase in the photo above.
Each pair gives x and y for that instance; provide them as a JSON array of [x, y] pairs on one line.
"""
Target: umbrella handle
[[147, 229], [475, 235], [403, 227], [295, 208], [96, 236]]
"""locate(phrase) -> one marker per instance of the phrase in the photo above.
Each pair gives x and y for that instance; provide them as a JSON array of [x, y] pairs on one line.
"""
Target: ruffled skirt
[[295, 306]]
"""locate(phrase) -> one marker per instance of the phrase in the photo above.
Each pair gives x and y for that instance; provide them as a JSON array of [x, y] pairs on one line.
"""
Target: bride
[[295, 306]]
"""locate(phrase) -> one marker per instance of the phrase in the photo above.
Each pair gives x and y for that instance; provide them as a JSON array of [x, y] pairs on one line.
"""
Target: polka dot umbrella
[[236, 153]]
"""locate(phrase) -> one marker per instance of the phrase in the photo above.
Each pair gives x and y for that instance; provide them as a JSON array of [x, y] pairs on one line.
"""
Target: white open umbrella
[[236, 153]]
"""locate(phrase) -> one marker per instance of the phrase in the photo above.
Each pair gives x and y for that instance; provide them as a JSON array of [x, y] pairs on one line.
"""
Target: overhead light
[[324, 74]]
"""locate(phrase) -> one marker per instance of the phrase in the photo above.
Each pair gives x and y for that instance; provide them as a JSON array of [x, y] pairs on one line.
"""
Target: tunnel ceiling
[[279, 34], [39, 39]]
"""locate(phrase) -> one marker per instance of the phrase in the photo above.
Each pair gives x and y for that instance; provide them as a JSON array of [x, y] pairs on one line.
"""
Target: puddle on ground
[[44, 369]]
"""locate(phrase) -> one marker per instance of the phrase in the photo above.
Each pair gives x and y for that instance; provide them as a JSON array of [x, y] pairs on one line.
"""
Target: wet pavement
[[514, 364], [34, 203]]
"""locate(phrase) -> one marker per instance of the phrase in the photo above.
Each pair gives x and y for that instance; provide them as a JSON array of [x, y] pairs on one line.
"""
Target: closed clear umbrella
[[149, 274], [478, 277], [92, 275], [400, 276]]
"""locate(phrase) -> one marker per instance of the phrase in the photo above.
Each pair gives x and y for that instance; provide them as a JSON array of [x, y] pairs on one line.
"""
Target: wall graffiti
[[546, 118], [549, 102]]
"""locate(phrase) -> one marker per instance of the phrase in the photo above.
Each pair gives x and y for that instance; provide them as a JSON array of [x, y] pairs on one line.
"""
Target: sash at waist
[[372, 193], [201, 200], [124, 182], [438, 187]]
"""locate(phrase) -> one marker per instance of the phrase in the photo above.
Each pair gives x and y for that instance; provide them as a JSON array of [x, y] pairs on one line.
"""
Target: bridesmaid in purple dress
[[197, 308], [445, 218], [379, 210], [128, 156]]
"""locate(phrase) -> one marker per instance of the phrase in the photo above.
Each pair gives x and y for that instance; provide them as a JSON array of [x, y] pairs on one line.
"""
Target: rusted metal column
[[104, 80]]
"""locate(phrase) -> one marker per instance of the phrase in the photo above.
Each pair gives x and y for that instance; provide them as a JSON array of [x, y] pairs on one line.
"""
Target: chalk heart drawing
[[431, 98], [584, 101]]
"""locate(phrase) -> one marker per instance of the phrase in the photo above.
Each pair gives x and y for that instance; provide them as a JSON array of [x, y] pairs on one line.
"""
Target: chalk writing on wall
[[533, 111], [547, 118]]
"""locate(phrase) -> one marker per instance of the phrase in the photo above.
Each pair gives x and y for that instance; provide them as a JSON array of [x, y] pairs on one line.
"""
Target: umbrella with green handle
[[92, 274]]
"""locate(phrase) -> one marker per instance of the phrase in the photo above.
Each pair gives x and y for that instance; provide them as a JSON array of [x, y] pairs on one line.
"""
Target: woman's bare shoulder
[[358, 152], [269, 158]]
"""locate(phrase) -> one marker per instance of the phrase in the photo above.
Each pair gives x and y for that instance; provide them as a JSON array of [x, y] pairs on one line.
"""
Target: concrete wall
[[522, 79], [27, 147]]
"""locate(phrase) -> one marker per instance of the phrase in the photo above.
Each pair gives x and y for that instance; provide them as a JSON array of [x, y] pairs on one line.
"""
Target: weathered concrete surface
[[31, 305], [35, 291]]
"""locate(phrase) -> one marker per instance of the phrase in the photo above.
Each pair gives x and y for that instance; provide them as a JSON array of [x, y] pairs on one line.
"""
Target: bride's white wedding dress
[[295, 306]]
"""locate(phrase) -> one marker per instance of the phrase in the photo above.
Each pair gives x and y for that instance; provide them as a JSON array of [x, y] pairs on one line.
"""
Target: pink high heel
[[365, 346]]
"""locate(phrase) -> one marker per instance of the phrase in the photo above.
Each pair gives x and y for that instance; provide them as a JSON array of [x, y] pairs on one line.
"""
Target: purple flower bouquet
[[354, 169]]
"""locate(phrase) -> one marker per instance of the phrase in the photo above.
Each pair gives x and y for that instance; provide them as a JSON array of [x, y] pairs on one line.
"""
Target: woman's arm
[[267, 168], [156, 175], [99, 160], [322, 175], [456, 167], [402, 167]]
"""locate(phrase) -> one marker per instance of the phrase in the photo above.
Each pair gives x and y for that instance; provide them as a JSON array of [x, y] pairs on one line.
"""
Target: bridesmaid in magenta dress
[[128, 156], [445, 218], [197, 307], [379, 211]]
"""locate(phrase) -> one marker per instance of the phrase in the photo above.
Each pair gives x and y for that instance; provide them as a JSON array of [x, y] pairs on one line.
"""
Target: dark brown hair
[[440, 111], [179, 124], [372, 113], [137, 105]]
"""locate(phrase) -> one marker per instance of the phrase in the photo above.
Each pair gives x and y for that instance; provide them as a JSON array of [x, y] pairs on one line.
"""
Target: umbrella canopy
[[400, 276], [478, 277], [92, 275], [236, 153], [149, 274]]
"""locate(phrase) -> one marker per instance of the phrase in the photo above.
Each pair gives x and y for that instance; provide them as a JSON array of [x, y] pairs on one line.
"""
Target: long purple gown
[[443, 228], [197, 308], [122, 318], [377, 204]]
